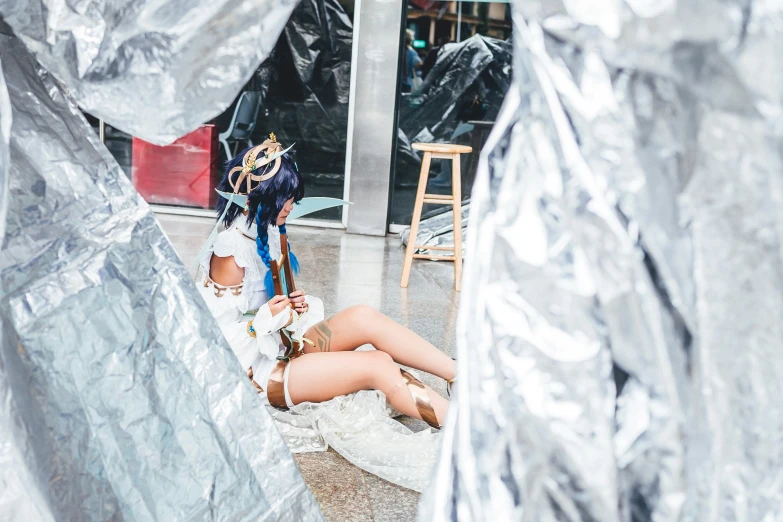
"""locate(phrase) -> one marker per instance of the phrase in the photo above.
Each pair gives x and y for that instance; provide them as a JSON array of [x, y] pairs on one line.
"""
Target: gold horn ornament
[[271, 160]]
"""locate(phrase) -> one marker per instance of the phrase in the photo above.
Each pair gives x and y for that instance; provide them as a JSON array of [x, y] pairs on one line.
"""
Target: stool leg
[[456, 183], [406, 266]]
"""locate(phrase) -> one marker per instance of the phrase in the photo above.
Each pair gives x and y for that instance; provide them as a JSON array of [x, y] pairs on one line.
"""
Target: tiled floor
[[346, 270]]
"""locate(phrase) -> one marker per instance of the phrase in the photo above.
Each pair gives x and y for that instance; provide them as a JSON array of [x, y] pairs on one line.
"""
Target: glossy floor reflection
[[346, 270]]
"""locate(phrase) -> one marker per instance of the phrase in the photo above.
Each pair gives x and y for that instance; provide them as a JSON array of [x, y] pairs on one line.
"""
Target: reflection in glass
[[464, 74], [303, 89], [300, 93]]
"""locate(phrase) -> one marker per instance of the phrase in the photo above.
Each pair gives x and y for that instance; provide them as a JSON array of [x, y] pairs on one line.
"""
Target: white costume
[[258, 349], [357, 426]]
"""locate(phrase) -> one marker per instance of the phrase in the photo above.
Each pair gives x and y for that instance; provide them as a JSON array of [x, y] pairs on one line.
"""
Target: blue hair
[[262, 246], [264, 203], [268, 197]]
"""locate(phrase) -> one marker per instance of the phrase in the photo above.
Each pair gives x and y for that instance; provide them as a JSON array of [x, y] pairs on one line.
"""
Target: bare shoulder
[[225, 271]]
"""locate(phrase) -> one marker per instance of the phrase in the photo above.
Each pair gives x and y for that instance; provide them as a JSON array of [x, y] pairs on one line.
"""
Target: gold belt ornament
[[220, 289]]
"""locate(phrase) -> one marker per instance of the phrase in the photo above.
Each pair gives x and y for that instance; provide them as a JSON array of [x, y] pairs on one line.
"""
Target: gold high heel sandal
[[421, 399]]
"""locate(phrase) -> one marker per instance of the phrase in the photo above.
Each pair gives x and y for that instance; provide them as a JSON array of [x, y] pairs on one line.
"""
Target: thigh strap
[[421, 399], [257, 386], [275, 387]]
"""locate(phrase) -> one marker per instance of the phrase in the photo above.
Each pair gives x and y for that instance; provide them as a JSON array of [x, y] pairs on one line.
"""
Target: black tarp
[[305, 86], [468, 82]]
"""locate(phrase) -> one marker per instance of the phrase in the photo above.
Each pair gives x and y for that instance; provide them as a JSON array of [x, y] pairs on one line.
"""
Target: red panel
[[424, 4], [183, 173]]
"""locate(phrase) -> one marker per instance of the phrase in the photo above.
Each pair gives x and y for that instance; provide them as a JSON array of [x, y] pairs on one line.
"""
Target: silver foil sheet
[[156, 69], [437, 229], [621, 314], [5, 134], [119, 397]]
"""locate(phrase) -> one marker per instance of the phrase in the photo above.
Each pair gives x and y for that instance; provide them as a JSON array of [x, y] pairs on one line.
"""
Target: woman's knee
[[380, 358], [363, 320], [382, 367], [362, 314]]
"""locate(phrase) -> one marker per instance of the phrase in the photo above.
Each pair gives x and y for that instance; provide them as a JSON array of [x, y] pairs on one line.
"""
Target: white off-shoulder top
[[229, 305]]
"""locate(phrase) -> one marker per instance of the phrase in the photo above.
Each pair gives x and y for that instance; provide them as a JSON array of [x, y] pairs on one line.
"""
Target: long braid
[[262, 247], [264, 203], [291, 257]]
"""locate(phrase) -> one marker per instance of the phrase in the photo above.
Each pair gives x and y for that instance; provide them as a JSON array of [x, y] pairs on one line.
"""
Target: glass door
[[300, 93], [456, 69]]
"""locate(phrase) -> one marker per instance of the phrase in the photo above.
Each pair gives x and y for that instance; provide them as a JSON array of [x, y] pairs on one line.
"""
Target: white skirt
[[239, 340]]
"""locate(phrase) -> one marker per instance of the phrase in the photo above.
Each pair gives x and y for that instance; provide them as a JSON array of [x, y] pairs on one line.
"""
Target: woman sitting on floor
[[323, 364]]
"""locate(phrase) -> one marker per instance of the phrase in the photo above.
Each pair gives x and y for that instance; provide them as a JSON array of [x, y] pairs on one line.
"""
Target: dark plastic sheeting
[[468, 82], [305, 85]]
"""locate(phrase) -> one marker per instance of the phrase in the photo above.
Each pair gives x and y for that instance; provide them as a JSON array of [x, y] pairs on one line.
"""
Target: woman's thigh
[[344, 331], [319, 377]]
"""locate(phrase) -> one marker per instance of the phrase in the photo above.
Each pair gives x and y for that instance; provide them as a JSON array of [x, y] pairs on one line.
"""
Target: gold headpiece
[[272, 152]]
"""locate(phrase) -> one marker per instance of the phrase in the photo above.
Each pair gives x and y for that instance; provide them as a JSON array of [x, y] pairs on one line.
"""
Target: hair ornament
[[266, 155]]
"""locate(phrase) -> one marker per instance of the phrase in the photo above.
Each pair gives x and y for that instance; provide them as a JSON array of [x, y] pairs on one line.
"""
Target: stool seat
[[443, 148], [447, 151]]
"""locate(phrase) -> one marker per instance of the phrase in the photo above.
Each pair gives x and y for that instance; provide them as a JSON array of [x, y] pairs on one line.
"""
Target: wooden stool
[[437, 151]]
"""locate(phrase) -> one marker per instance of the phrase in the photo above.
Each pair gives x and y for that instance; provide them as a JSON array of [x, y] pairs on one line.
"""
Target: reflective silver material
[[119, 397], [156, 69], [437, 229], [20, 498], [5, 133], [621, 317]]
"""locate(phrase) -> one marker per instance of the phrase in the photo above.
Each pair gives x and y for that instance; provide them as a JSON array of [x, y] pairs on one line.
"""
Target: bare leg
[[319, 377], [358, 325]]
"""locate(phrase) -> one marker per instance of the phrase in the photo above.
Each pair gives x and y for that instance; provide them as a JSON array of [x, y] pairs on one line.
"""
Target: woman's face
[[283, 215]]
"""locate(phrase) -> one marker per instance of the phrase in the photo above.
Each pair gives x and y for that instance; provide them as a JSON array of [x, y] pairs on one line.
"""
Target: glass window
[[445, 97], [300, 93]]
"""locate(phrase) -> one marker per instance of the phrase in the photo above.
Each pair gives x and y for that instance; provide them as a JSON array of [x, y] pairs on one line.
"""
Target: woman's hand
[[298, 298], [278, 303]]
